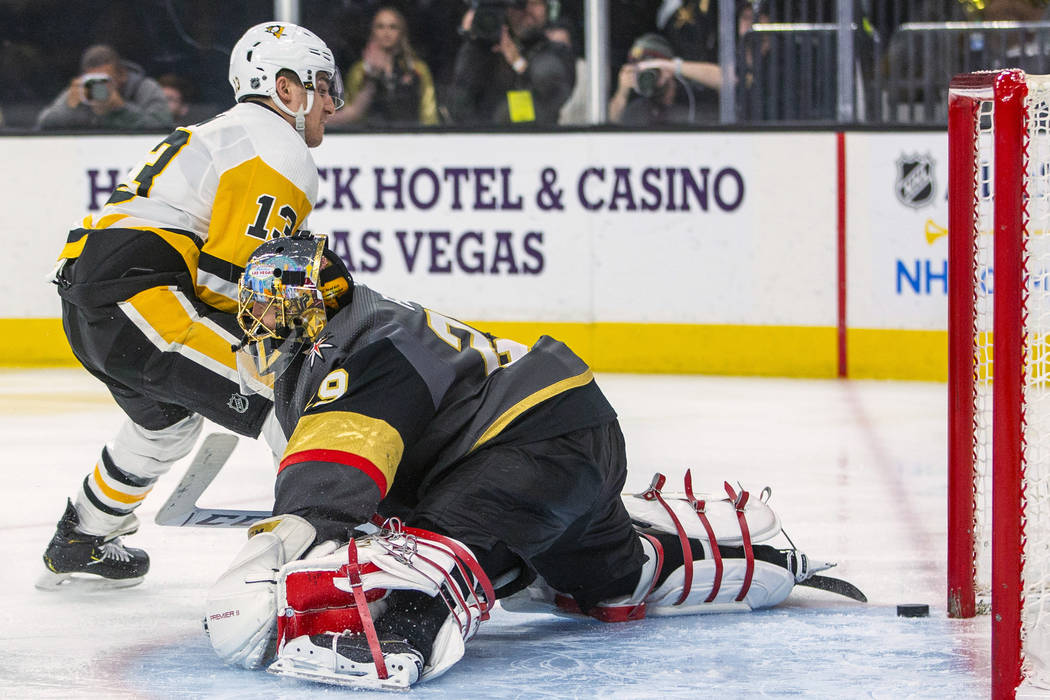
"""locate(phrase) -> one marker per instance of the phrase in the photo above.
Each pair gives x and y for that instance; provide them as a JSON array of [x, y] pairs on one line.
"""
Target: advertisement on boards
[[647, 228]]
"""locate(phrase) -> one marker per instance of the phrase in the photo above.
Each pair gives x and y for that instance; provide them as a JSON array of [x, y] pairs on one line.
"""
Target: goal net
[[999, 412]]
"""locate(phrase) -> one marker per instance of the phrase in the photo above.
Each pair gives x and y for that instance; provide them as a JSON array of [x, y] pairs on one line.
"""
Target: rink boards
[[794, 254]]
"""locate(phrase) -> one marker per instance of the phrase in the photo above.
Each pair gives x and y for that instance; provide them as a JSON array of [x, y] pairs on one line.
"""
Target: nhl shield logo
[[915, 185], [238, 402]]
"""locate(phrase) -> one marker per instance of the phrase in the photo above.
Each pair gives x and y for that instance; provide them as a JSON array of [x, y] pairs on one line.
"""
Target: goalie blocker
[[396, 607]]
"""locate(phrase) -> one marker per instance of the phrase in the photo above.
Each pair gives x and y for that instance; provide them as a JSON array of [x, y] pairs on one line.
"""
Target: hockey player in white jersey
[[492, 470], [148, 285]]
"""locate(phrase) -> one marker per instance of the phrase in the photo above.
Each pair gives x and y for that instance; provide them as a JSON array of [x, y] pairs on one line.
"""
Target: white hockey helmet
[[271, 47]]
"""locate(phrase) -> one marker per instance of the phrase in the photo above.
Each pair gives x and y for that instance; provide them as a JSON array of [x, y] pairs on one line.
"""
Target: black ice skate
[[346, 659], [72, 552]]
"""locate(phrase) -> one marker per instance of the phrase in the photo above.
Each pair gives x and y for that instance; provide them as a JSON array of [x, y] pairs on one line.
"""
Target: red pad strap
[[700, 508], [462, 556], [739, 502], [617, 613], [653, 493], [353, 575]]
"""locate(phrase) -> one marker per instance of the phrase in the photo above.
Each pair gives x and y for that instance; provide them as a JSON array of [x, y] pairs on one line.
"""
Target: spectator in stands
[[574, 111], [650, 80], [508, 70], [390, 85], [109, 93], [177, 91], [691, 27]]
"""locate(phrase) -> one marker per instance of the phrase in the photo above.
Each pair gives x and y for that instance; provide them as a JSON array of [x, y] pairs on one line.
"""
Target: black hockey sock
[[415, 617], [763, 552], [673, 555]]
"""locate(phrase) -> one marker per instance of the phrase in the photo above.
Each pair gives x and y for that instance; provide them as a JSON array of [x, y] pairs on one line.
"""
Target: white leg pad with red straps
[[343, 592], [770, 585], [648, 509], [767, 585], [712, 583]]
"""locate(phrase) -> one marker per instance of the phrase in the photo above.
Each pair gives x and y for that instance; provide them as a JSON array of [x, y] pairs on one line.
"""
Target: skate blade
[[51, 581], [287, 668]]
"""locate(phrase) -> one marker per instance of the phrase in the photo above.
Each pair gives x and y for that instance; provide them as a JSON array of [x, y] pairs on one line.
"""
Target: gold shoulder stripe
[[528, 402], [355, 433]]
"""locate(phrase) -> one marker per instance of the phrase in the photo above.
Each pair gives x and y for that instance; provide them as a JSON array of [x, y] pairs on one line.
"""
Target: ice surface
[[858, 476]]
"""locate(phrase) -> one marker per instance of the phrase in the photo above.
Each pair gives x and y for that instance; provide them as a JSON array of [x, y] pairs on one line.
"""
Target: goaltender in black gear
[[489, 465]]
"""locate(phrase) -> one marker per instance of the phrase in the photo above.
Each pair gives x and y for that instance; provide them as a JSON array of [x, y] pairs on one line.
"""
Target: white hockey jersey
[[231, 182]]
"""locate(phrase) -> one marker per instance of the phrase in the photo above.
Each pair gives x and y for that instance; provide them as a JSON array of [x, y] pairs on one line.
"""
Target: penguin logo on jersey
[[238, 402]]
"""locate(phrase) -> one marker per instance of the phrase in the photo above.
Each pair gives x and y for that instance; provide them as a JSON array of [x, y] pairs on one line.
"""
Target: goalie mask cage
[[999, 418]]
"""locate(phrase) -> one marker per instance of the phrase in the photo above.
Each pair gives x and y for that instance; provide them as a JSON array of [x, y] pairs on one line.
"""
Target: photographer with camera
[[507, 69], [649, 83], [109, 93]]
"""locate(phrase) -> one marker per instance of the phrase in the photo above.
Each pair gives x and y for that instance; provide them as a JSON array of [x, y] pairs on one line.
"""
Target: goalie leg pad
[[721, 519], [770, 585], [342, 593], [241, 609]]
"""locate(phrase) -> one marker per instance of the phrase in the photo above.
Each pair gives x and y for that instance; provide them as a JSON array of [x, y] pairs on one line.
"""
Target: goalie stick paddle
[[181, 510], [835, 585]]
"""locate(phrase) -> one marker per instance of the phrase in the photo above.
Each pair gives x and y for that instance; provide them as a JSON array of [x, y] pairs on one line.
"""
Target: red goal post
[[999, 417]]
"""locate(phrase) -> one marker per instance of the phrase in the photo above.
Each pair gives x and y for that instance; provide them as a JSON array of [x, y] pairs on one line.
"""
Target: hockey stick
[[835, 585], [181, 510]]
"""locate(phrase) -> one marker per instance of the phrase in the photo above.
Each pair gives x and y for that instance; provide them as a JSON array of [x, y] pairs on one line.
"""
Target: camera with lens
[[96, 87], [489, 18], [647, 81]]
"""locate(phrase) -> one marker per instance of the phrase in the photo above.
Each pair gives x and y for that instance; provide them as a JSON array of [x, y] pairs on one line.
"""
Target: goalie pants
[[554, 505]]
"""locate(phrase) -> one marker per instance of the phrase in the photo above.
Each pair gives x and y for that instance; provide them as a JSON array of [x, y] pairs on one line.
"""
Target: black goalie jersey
[[393, 396]]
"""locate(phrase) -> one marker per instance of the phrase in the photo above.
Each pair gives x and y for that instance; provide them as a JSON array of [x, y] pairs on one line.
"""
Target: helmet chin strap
[[300, 114]]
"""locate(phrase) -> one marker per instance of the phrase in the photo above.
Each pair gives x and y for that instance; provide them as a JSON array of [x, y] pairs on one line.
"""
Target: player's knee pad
[[345, 591], [150, 453], [241, 609]]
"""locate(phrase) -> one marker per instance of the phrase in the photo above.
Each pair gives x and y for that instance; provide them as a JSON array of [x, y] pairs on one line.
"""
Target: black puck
[[913, 610]]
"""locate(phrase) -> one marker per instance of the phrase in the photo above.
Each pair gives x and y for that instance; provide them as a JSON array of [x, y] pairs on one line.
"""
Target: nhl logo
[[915, 185], [238, 402]]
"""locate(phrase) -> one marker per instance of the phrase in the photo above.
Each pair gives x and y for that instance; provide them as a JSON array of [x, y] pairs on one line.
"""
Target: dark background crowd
[[421, 63]]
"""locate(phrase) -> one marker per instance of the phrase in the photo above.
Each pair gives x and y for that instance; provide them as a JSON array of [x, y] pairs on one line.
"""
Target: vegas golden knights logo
[[276, 29]]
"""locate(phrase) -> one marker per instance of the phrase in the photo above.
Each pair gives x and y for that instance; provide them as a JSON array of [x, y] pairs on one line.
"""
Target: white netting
[[983, 286], [1035, 615], [1035, 315]]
